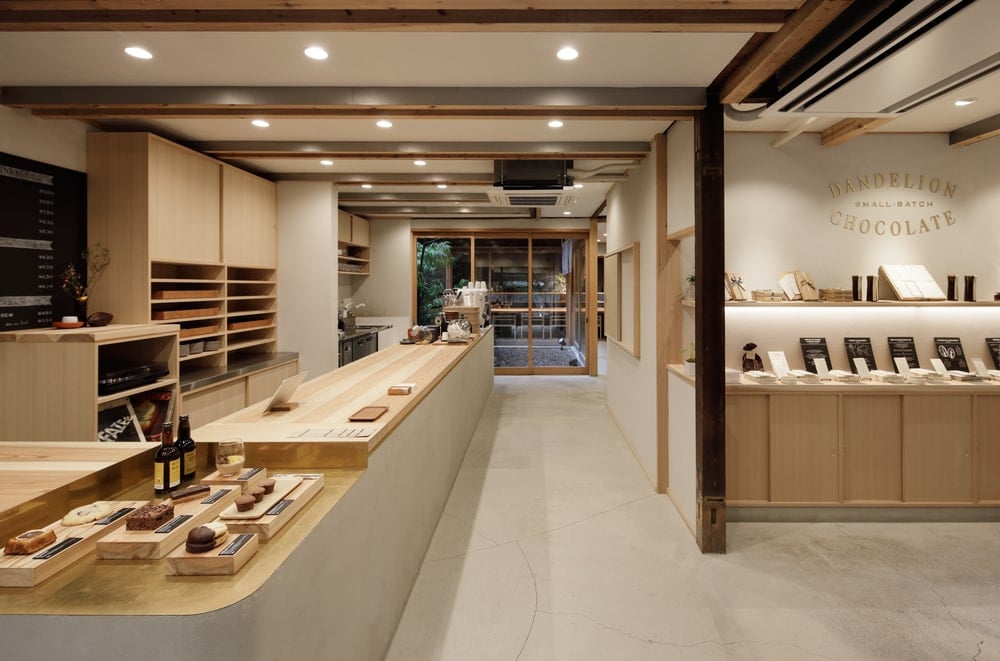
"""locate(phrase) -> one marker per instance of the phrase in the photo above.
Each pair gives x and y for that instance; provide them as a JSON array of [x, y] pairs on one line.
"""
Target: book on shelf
[[813, 348], [903, 347], [117, 423], [910, 282], [860, 347], [153, 408], [949, 350], [993, 343]]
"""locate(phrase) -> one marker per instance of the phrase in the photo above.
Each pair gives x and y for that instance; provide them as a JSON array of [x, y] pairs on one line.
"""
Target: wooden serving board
[[274, 519], [248, 477], [245, 325], [282, 485], [172, 294], [224, 560], [30, 570], [152, 544], [198, 330], [160, 315]]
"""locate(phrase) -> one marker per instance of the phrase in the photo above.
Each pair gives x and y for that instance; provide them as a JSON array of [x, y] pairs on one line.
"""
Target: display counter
[[330, 584]]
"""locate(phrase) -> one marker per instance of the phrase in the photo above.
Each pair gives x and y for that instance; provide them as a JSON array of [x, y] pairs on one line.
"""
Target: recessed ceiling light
[[420, 162], [466, 210], [442, 186], [577, 185], [261, 123], [326, 161], [567, 53], [567, 213], [964, 102], [139, 52], [556, 124], [366, 185], [316, 53], [605, 234], [383, 124]]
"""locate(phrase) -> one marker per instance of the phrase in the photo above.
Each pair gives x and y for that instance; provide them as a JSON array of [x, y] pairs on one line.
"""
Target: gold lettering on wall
[[893, 204]]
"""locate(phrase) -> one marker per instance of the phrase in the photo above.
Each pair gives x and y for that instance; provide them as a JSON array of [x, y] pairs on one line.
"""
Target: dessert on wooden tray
[[149, 516], [204, 538], [29, 542], [88, 513]]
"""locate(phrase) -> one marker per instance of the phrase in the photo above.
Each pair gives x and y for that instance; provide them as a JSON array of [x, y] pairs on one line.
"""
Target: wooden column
[[710, 394]]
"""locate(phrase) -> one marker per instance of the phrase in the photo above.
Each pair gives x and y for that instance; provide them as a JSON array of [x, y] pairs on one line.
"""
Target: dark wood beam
[[850, 128], [124, 102], [710, 328], [605, 16], [977, 132], [801, 28], [457, 179], [260, 149]]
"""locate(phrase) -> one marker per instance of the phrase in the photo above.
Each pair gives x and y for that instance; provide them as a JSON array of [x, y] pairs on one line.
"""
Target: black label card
[[238, 543], [903, 347], [813, 348], [250, 473], [278, 507], [171, 525], [994, 344], [58, 548], [949, 350], [114, 516], [214, 498], [859, 347]]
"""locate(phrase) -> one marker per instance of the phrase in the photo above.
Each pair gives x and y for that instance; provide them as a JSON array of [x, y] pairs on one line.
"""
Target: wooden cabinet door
[[184, 204], [343, 227], [360, 234], [873, 437], [746, 448], [804, 448], [937, 448], [988, 446], [249, 219]]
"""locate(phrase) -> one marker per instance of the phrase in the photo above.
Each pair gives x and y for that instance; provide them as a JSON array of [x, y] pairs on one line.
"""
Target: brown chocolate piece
[[267, 485], [200, 539], [257, 493], [149, 516], [245, 502]]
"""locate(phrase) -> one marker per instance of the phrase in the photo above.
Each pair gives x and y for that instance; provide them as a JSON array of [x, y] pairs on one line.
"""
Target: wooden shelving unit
[[354, 244], [40, 402], [252, 309]]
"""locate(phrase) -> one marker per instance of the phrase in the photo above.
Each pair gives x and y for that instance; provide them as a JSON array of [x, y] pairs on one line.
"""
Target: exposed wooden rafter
[[413, 15], [977, 132], [428, 150], [850, 128], [800, 29]]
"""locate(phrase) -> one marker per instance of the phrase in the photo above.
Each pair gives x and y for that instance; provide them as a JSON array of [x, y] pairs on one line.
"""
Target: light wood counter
[[351, 554]]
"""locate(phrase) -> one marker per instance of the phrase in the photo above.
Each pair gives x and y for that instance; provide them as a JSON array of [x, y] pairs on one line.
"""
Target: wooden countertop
[[111, 587]]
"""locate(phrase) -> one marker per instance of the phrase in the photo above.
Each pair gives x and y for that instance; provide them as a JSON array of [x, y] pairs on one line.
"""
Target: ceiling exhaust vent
[[531, 198], [906, 55]]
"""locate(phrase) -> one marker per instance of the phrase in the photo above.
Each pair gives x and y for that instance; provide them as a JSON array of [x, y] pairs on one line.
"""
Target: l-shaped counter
[[336, 579]]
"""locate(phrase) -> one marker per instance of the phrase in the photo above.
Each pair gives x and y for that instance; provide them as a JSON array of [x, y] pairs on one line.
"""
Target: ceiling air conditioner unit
[[538, 183], [906, 54]]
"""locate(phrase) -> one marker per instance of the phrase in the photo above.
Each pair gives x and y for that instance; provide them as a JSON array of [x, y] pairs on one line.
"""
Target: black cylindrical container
[[872, 288], [970, 288], [856, 288], [952, 288]]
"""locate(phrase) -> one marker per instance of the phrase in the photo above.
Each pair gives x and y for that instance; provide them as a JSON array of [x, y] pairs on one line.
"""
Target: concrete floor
[[554, 546]]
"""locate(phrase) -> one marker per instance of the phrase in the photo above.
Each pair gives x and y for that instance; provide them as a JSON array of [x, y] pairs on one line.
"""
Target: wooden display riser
[[273, 518], [224, 560]]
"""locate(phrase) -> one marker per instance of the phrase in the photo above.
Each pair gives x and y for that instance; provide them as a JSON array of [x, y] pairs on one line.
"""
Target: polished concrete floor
[[553, 546]]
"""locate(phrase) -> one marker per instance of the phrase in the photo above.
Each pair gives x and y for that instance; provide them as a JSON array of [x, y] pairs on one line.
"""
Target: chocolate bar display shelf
[[369, 524], [52, 386]]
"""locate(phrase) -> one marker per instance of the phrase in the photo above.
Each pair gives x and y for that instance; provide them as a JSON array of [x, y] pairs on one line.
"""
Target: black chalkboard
[[43, 229]]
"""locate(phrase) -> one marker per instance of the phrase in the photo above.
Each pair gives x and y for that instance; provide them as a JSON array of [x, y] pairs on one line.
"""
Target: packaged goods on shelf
[[834, 295]]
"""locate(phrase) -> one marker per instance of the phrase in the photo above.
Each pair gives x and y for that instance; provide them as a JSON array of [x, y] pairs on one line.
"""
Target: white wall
[[779, 206], [631, 381], [307, 273], [57, 142], [388, 292]]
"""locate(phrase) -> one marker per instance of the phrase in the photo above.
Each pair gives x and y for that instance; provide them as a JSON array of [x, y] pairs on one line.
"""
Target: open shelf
[[121, 394]]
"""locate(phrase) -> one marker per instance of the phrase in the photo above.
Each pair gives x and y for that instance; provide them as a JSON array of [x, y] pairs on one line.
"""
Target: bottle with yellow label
[[166, 462], [186, 446]]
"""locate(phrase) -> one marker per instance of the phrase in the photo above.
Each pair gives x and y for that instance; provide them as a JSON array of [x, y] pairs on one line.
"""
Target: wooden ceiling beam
[[977, 132], [721, 18], [427, 151], [436, 5], [802, 27], [850, 128]]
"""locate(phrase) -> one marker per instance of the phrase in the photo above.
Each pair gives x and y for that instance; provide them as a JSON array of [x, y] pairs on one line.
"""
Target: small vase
[[689, 367], [81, 309]]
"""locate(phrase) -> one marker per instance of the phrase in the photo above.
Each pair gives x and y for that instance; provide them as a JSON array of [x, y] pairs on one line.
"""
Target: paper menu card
[[779, 364]]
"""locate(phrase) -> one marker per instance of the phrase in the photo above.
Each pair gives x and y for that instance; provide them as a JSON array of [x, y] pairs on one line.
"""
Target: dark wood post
[[710, 326]]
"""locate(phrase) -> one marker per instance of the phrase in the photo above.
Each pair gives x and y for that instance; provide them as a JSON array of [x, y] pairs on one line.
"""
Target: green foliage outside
[[434, 259]]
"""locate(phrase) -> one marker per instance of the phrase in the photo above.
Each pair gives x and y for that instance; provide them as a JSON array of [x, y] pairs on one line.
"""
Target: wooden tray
[[30, 570], [268, 525], [152, 544], [224, 560], [171, 294], [161, 315], [198, 330], [246, 325], [368, 413], [248, 477], [282, 486]]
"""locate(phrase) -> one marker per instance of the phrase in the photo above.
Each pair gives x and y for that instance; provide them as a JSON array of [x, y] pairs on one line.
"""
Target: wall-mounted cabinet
[[50, 391], [354, 244], [249, 219]]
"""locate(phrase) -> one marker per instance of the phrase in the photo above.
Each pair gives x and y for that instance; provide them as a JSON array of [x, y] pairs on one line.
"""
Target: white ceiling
[[418, 59]]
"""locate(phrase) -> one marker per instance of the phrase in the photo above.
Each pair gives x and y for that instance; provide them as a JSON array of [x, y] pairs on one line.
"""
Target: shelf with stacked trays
[[193, 296], [354, 260], [252, 307]]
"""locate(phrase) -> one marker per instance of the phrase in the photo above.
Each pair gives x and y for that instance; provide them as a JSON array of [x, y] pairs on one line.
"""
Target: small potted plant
[[689, 355], [689, 288], [73, 284]]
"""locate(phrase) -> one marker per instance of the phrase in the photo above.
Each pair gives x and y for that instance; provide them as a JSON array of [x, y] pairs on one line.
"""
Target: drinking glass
[[229, 456]]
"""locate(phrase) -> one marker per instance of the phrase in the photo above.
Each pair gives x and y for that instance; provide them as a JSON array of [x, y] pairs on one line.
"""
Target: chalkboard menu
[[43, 229]]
